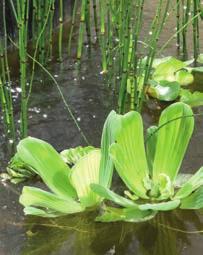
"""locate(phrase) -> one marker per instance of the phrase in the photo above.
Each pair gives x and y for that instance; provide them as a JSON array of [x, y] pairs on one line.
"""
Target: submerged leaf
[[128, 153], [194, 201], [176, 126], [48, 164], [127, 214], [72, 155], [85, 172]]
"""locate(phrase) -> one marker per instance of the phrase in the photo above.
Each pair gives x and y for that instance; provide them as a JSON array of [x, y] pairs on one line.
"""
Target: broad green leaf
[[176, 126], [184, 78], [72, 155], [192, 99], [127, 214], [164, 90], [158, 61], [48, 164], [36, 197], [112, 196], [181, 179], [151, 145], [194, 201], [128, 153], [111, 127], [85, 172], [164, 206], [166, 70], [198, 69], [192, 184]]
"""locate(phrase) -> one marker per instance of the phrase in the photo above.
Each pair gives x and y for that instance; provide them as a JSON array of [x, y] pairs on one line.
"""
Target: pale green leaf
[[200, 59], [127, 214], [176, 126], [36, 197], [29, 210], [164, 90], [128, 153], [193, 99], [72, 155], [192, 184], [194, 201], [184, 77], [167, 69], [151, 140], [85, 172], [111, 127], [163, 206], [48, 164], [112, 196]]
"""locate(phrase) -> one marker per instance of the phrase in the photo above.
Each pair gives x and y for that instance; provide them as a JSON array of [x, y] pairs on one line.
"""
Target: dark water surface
[[172, 233]]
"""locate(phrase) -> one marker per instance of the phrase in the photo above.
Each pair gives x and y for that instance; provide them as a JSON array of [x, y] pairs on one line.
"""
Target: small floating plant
[[149, 168]]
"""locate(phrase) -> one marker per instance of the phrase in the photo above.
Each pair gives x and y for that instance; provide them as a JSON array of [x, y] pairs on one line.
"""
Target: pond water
[[173, 233]]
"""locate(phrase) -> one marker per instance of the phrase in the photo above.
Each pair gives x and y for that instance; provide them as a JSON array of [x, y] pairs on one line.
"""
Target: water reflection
[[77, 235]]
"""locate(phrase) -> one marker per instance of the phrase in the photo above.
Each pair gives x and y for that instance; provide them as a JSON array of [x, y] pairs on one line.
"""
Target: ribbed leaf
[[36, 197], [112, 196], [194, 201], [128, 153], [29, 210], [164, 206], [48, 164], [151, 145], [111, 127], [85, 172], [192, 184], [126, 214], [72, 155], [175, 129]]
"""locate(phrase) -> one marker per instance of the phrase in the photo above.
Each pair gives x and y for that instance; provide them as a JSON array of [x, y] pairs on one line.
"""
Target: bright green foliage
[[131, 166], [173, 139], [82, 179], [156, 189], [71, 192], [72, 155], [168, 75], [18, 171], [192, 99]]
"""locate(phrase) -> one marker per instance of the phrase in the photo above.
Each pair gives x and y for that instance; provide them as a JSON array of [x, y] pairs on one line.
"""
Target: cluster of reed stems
[[186, 10], [127, 54]]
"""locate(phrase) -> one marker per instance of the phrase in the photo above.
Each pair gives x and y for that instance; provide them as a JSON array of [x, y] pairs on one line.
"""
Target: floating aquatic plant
[[70, 187], [152, 176]]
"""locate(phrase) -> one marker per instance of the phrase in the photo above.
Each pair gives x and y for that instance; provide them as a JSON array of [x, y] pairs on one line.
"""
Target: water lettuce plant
[[152, 175], [149, 169], [69, 187]]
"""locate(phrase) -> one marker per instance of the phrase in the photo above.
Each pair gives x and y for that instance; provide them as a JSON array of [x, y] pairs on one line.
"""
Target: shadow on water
[[172, 233]]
